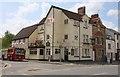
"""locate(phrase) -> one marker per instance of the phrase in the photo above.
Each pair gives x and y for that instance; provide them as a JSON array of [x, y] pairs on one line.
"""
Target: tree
[[6, 40]]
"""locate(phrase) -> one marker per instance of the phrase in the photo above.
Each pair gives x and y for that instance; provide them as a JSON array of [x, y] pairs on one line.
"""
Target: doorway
[[66, 54]]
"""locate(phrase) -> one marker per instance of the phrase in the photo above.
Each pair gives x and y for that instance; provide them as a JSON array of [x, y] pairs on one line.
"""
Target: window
[[109, 46], [101, 41], [48, 37], [96, 40], [57, 51], [76, 37], [20, 41], [85, 24], [72, 51], [76, 23], [76, 52], [47, 51], [41, 51], [117, 45], [33, 51], [85, 38], [85, 53], [117, 37], [41, 29], [23, 40], [66, 21], [65, 36]]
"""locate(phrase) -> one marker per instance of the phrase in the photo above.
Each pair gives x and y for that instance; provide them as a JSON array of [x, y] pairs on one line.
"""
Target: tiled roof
[[42, 21], [70, 14], [25, 32], [113, 31]]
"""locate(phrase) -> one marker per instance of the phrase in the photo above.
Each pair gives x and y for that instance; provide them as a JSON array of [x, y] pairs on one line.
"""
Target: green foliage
[[0, 43], [6, 40]]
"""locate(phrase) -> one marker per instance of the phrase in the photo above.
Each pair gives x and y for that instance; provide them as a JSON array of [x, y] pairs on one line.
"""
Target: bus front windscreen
[[19, 52]]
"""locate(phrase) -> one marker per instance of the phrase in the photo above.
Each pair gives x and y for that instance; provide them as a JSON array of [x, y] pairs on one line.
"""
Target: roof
[[42, 21], [113, 31], [25, 32], [69, 14], [72, 15]]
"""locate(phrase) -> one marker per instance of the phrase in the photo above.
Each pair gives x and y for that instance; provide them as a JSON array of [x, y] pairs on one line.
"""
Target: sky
[[17, 14]]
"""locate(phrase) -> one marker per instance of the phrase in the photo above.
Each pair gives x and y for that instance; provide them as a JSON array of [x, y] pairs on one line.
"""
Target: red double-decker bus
[[16, 53]]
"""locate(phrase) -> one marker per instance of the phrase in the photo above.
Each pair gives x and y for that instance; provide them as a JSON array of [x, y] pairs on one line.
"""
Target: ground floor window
[[85, 53], [76, 52], [72, 52], [41, 51], [57, 51], [33, 51], [48, 51]]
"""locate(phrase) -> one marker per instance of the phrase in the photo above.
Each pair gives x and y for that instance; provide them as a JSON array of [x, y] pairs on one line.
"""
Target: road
[[42, 68]]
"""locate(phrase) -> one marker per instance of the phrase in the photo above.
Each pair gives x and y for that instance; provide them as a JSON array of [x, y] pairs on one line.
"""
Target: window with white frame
[[85, 38], [33, 51], [72, 52], [76, 23], [76, 52], [101, 41], [85, 24], [96, 40], [85, 53], [66, 21], [65, 36], [57, 51], [48, 51]]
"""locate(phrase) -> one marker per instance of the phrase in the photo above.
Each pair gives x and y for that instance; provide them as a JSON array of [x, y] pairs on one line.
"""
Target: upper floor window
[[41, 29], [85, 24], [117, 45], [48, 37], [101, 41], [117, 37], [76, 23], [66, 21], [96, 40], [109, 46], [23, 40], [85, 38], [65, 36]]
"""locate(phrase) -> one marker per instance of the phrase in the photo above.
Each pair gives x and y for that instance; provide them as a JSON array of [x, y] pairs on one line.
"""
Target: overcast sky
[[16, 15]]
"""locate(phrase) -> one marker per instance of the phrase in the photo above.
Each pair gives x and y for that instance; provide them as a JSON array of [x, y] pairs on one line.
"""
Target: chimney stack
[[81, 10], [95, 16]]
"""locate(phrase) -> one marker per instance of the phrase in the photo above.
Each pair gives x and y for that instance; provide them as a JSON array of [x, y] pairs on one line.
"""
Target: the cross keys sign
[[51, 19]]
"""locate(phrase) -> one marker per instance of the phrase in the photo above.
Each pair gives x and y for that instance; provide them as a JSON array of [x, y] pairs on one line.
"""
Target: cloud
[[44, 8], [90, 7], [110, 24], [16, 20], [112, 12]]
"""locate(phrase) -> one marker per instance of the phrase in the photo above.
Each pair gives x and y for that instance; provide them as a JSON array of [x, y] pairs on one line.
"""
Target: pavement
[[81, 62]]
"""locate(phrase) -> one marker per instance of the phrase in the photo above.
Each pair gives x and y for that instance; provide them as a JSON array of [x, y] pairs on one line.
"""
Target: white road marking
[[101, 74], [24, 74]]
